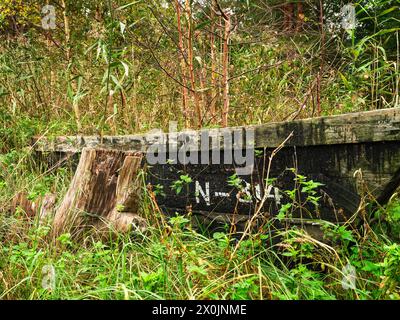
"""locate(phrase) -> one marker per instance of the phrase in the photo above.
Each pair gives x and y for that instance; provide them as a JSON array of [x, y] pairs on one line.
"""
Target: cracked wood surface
[[361, 127]]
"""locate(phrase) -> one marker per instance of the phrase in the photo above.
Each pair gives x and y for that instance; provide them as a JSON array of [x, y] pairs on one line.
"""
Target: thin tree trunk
[[319, 79], [225, 71], [67, 33], [67, 30], [202, 78], [213, 63], [190, 62], [396, 104], [182, 66]]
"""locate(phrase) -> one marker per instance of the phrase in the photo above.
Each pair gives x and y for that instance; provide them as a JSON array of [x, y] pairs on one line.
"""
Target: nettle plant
[[304, 193], [183, 181], [239, 184]]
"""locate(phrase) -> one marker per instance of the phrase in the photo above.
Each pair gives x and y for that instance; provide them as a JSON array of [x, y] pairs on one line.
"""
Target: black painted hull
[[378, 175]]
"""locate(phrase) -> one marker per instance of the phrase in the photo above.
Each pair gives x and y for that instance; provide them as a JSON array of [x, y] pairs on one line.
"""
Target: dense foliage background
[[122, 67]]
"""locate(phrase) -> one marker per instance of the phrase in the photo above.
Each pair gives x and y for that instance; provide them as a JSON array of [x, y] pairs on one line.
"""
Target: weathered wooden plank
[[370, 126]]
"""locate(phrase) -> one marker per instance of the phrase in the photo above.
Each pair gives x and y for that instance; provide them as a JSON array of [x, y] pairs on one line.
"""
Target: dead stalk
[[67, 30], [213, 62], [265, 197]]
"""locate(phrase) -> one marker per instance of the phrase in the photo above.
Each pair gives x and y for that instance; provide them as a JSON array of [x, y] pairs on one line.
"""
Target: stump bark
[[105, 191]]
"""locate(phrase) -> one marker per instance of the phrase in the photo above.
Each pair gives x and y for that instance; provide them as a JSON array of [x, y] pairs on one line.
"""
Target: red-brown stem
[[225, 71], [190, 63], [182, 65]]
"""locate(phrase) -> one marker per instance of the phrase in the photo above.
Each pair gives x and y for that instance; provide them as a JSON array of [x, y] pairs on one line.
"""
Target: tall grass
[[173, 260]]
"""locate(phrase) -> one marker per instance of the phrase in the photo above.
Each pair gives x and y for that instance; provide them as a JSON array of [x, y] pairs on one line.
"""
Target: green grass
[[173, 261]]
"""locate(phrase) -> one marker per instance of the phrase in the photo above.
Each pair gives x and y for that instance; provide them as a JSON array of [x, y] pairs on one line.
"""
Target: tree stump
[[105, 191]]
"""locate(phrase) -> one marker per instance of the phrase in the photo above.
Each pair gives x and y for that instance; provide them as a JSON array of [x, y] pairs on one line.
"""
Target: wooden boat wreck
[[351, 155]]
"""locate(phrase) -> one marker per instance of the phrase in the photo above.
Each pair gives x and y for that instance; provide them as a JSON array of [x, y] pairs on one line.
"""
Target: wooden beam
[[361, 127]]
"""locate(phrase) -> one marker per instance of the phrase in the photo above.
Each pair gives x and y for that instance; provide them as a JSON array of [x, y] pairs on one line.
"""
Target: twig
[[265, 197]]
